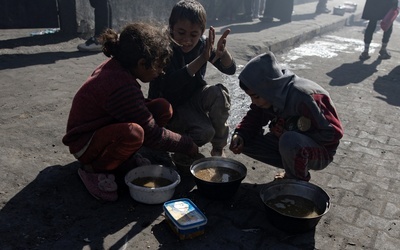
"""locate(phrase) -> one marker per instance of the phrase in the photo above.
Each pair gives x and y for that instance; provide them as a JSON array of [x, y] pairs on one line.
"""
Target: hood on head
[[266, 77]]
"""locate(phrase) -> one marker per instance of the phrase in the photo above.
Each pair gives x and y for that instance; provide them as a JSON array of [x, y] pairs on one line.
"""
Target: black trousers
[[281, 9], [322, 4], [369, 32], [102, 15]]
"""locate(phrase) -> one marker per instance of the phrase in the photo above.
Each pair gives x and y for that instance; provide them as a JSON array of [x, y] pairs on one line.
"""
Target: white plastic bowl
[[152, 195]]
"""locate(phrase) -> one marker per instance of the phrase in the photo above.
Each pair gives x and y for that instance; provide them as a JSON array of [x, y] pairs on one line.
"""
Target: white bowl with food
[[152, 184]]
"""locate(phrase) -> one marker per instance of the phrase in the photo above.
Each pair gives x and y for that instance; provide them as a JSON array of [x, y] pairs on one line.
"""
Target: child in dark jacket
[[200, 110], [110, 120], [304, 128]]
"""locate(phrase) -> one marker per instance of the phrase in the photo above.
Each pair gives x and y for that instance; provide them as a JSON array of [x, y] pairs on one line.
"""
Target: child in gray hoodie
[[304, 127]]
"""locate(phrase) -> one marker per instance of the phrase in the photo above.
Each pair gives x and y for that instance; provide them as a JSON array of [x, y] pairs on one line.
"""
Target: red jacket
[[112, 95]]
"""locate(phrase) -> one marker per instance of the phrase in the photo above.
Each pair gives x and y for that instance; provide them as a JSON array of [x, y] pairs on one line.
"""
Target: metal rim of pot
[[290, 223]]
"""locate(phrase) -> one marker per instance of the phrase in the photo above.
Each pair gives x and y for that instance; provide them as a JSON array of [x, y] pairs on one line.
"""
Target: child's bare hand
[[221, 46], [237, 144], [209, 44]]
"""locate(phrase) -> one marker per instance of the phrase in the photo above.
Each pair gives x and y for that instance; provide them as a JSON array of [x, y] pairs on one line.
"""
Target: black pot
[[299, 188], [218, 190]]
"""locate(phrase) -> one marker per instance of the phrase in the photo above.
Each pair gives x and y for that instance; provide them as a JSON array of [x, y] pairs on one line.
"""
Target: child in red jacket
[[110, 120]]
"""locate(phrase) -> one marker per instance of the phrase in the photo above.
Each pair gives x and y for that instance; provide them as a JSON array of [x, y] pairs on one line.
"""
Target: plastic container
[[339, 10], [350, 7], [184, 218], [156, 195]]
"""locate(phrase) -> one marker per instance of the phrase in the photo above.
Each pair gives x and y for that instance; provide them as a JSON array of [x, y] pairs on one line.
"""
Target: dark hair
[[243, 86], [137, 41], [188, 9]]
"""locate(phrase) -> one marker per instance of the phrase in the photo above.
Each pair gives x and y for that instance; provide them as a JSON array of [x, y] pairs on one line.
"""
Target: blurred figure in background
[[248, 9], [258, 8], [221, 9], [102, 21], [280, 9], [321, 7], [375, 10]]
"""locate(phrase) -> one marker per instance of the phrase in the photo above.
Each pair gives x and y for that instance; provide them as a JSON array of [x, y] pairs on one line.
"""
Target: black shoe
[[322, 11], [383, 54], [247, 18], [91, 45], [364, 56], [266, 19]]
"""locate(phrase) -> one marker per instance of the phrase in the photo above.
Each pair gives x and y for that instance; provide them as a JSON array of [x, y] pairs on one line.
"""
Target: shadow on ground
[[38, 40], [24, 60], [355, 72], [18, 58], [55, 211], [386, 86]]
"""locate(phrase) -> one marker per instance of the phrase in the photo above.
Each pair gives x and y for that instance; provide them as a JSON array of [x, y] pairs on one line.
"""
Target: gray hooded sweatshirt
[[292, 97]]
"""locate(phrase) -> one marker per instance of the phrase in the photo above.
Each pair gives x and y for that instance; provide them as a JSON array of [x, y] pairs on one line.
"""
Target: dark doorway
[[16, 14]]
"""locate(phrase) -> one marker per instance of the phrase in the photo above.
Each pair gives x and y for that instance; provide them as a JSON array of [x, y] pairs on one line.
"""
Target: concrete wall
[[77, 16], [123, 12]]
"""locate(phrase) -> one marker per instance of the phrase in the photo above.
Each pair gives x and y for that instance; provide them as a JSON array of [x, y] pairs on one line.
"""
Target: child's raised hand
[[209, 43], [221, 46]]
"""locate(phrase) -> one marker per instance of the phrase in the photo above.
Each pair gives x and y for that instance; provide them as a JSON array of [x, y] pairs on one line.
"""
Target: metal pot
[[183, 161], [294, 224], [218, 189]]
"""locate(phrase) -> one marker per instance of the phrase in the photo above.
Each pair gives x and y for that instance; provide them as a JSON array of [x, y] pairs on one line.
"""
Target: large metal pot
[[290, 187], [212, 188]]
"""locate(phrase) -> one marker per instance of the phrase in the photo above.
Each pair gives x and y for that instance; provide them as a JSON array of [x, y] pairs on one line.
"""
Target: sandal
[[383, 54], [364, 56], [99, 185]]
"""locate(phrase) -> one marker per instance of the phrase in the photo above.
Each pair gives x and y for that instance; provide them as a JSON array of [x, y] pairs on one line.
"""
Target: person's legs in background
[[383, 53], [256, 8], [261, 8], [243, 10], [102, 21], [102, 16], [369, 32], [321, 7], [268, 7]]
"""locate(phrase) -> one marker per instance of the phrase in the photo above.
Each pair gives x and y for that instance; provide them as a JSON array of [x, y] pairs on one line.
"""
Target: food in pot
[[151, 182], [295, 206], [217, 174]]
